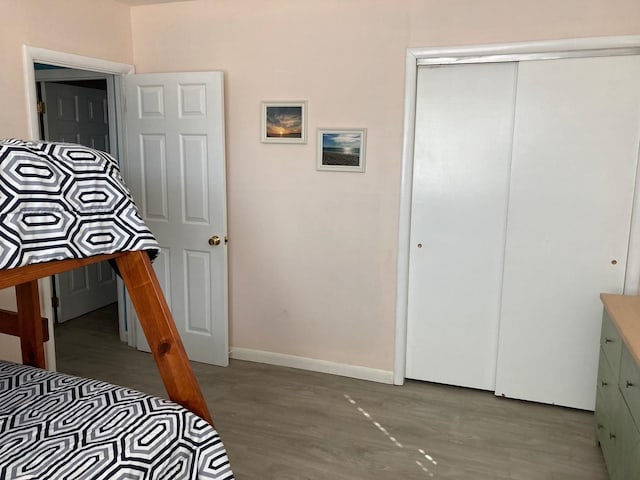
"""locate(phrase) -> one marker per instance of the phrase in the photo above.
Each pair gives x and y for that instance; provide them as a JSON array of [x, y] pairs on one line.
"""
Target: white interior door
[[176, 171], [573, 173], [77, 114], [462, 154]]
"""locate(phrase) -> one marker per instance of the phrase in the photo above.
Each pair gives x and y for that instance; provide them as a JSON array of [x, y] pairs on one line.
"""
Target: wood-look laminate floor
[[286, 424]]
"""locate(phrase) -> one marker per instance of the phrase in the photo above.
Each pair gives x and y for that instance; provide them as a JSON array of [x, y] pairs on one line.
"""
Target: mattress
[[56, 426], [63, 201]]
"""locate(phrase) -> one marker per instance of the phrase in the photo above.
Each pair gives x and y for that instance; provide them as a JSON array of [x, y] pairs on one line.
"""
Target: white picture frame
[[341, 149], [284, 122]]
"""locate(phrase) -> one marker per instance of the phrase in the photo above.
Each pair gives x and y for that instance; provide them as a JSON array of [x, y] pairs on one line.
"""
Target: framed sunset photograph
[[341, 150], [284, 122]]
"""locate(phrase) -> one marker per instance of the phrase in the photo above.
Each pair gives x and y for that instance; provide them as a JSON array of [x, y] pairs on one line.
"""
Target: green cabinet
[[617, 414]]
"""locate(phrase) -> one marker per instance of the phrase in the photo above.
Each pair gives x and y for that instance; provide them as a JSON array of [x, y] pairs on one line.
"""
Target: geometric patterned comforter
[[56, 426], [60, 201]]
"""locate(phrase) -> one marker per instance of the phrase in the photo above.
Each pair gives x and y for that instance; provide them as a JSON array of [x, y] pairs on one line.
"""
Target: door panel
[[153, 159], [197, 292], [79, 115], [176, 171], [572, 184], [460, 189], [193, 161]]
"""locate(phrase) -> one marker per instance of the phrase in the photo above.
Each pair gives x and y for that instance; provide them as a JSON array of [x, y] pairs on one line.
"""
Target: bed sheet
[[56, 426]]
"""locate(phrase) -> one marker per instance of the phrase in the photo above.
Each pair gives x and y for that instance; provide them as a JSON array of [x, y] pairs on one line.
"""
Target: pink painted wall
[[96, 28], [312, 254]]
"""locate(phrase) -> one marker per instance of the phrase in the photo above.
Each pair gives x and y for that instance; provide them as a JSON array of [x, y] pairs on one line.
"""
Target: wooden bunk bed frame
[[148, 300]]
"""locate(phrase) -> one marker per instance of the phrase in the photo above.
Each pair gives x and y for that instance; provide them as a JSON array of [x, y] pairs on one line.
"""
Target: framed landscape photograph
[[341, 150], [284, 122]]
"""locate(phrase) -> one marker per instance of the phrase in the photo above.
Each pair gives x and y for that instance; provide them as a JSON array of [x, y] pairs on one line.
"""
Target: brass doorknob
[[215, 240]]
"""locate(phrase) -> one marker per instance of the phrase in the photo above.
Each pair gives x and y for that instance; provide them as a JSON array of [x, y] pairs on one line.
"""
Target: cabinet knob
[[604, 383], [608, 340], [612, 436], [629, 384]]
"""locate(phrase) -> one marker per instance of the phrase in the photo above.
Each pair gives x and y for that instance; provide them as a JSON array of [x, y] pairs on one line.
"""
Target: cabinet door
[[628, 446], [607, 385], [606, 424], [575, 150], [630, 383], [610, 342]]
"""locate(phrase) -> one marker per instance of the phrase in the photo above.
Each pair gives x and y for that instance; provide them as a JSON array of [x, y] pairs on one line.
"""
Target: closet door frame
[[504, 52]]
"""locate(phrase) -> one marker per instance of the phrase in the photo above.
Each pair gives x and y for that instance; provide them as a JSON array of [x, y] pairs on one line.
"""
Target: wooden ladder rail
[[149, 302]]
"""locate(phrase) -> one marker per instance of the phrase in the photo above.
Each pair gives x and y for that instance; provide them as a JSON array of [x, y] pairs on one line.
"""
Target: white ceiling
[[133, 3]]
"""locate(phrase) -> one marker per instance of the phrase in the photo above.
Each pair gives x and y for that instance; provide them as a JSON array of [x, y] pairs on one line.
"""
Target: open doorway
[[196, 99], [73, 107], [88, 65]]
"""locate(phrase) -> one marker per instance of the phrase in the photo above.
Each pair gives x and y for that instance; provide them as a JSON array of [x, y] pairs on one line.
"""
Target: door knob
[[215, 240]]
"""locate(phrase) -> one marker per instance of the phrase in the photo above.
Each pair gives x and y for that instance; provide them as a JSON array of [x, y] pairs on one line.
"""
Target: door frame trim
[[31, 55], [521, 51]]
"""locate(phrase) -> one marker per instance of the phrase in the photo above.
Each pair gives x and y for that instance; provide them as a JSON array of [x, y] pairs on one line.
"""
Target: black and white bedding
[[60, 201], [55, 426], [64, 201]]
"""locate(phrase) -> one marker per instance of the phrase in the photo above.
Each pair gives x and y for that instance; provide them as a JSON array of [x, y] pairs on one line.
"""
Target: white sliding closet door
[[572, 183], [460, 188]]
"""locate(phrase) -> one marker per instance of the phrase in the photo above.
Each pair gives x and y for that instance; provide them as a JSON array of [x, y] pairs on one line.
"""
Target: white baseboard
[[303, 363]]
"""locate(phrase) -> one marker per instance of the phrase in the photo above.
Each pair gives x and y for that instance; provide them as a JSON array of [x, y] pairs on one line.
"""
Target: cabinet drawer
[[607, 386], [611, 342], [630, 383]]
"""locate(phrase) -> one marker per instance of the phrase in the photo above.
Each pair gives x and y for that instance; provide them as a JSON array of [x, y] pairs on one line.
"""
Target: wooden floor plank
[[287, 424]]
